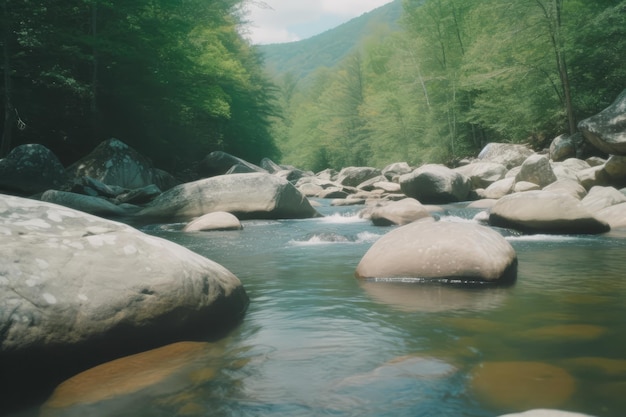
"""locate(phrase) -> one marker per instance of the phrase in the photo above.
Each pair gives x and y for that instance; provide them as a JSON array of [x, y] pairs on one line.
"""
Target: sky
[[277, 21]]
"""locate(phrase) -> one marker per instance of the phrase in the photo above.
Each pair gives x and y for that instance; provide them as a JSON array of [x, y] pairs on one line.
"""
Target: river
[[317, 342]]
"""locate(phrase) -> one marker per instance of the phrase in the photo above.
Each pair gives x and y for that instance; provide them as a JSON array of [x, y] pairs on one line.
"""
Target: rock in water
[[77, 290], [440, 252], [247, 196], [435, 184]]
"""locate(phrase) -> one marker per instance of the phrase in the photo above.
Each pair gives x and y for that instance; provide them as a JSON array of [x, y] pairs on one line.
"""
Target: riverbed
[[318, 342]]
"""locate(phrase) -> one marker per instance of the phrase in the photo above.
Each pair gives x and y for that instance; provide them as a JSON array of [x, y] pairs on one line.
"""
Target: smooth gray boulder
[[483, 174], [545, 212], [219, 220], [115, 163], [443, 252], [546, 412], [565, 146], [499, 188], [600, 198], [607, 129], [435, 184], [614, 215], [30, 169], [400, 212], [536, 169], [77, 290], [247, 196], [396, 169], [567, 186], [507, 154], [353, 176]]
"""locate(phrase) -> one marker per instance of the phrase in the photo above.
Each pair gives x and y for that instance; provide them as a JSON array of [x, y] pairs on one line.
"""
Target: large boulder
[[614, 215], [247, 196], [435, 184], [483, 174], [353, 176], [545, 212], [565, 146], [115, 163], [607, 129], [600, 198], [396, 169], [77, 290], [507, 154], [219, 163], [445, 252], [400, 212], [536, 169], [89, 204], [30, 169]]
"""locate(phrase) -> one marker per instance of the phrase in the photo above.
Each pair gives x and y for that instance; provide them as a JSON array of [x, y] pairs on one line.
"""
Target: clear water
[[317, 342]]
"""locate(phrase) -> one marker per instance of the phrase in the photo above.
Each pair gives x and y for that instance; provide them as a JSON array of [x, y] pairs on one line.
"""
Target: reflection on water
[[316, 341]]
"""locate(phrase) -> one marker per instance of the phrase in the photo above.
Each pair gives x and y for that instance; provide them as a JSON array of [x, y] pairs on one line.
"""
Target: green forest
[[176, 79]]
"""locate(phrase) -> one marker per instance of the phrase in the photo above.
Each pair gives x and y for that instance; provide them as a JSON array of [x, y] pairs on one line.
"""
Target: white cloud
[[275, 21]]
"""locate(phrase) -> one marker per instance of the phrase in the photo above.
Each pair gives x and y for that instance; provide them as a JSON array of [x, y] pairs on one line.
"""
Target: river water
[[317, 342]]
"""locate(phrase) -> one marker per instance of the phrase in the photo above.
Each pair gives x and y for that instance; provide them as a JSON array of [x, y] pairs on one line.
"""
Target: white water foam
[[332, 238], [338, 218], [456, 219]]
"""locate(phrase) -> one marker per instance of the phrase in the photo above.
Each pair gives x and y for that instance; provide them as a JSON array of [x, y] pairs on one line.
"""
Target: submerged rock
[[399, 213], [444, 252], [219, 220], [515, 385]]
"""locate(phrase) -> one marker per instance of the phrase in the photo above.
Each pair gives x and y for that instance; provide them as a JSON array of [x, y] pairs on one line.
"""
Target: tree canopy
[[172, 78], [458, 75]]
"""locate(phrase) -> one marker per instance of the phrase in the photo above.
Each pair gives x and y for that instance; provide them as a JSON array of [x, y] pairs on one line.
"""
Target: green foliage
[[173, 79], [458, 75]]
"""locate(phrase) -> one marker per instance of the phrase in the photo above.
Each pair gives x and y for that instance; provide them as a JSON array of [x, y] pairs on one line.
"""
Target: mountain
[[328, 48]]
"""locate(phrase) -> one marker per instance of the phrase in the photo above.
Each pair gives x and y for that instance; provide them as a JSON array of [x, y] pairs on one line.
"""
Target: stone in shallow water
[[546, 413], [129, 375], [569, 332], [521, 385]]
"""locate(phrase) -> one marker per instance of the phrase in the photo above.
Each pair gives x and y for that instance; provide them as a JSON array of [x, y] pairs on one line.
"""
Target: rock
[[511, 385], [483, 174], [435, 184], [614, 215], [569, 187], [270, 166], [607, 129], [507, 154], [523, 186], [426, 251], [327, 174], [247, 196], [334, 193], [244, 168], [368, 185], [545, 212], [576, 164], [399, 213], [600, 198], [140, 195], [500, 188], [293, 175], [78, 290], [115, 163], [353, 176], [93, 187], [536, 169], [219, 220], [164, 180], [93, 205], [310, 189], [388, 187], [544, 412], [103, 386], [615, 169], [30, 169], [565, 146], [396, 169], [219, 163], [593, 176]]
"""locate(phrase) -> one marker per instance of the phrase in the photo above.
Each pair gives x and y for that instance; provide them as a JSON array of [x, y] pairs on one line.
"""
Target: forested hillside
[[329, 48], [457, 75], [172, 79]]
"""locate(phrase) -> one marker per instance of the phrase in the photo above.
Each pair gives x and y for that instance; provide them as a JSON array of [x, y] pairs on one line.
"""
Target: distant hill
[[328, 48]]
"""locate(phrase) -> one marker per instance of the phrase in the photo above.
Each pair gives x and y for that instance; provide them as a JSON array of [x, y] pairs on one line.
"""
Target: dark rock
[[607, 129], [30, 169]]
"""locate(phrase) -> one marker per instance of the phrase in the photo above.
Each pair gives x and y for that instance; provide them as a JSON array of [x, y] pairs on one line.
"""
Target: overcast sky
[[276, 21]]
